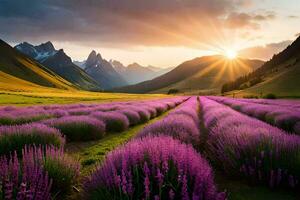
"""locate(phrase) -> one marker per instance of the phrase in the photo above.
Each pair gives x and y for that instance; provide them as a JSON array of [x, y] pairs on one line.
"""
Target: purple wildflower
[[144, 159], [14, 138], [239, 143], [78, 128], [133, 116], [272, 112], [21, 179], [114, 121]]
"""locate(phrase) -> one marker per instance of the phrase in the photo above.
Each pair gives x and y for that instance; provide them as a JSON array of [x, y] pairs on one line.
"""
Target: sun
[[230, 54]]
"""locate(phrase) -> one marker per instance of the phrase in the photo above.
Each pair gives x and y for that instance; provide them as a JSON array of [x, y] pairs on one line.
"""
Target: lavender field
[[189, 148], [149, 100]]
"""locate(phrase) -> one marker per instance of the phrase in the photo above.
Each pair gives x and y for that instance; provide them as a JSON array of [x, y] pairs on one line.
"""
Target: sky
[[161, 33]]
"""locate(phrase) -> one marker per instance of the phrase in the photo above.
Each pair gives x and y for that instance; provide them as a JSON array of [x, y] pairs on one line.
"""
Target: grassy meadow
[[92, 153], [56, 96]]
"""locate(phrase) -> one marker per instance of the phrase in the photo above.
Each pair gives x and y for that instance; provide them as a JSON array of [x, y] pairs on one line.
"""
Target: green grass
[[24, 81], [56, 96], [92, 153], [284, 83]]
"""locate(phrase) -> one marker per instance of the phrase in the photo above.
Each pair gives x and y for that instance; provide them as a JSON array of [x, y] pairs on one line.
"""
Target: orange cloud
[[264, 52], [245, 20]]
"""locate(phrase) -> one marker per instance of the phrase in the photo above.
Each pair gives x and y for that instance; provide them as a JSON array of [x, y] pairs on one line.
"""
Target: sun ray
[[220, 73], [242, 64], [209, 68]]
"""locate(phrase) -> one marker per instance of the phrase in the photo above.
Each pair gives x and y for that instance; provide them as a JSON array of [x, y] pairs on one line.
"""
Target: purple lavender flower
[[176, 125], [80, 111], [78, 128], [62, 169], [283, 115], [144, 158], [182, 124], [114, 121], [143, 113], [14, 138], [133, 116], [22, 116], [20, 180], [245, 146]]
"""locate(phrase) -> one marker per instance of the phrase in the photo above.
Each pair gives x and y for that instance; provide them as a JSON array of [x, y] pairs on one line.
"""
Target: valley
[[149, 100]]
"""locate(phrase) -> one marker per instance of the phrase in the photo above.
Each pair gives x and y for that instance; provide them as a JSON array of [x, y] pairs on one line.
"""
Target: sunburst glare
[[230, 54]]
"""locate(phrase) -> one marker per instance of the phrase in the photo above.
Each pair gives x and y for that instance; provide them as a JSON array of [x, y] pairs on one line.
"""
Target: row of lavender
[[284, 114], [247, 147], [160, 163], [291, 103], [33, 164], [14, 115], [78, 122]]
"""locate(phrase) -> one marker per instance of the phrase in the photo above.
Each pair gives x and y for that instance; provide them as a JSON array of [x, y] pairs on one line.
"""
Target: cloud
[[293, 17], [120, 22], [297, 35], [264, 17], [264, 52], [245, 20], [246, 3]]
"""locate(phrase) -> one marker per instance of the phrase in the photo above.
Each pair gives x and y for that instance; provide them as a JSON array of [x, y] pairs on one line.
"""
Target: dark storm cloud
[[24, 9], [114, 22]]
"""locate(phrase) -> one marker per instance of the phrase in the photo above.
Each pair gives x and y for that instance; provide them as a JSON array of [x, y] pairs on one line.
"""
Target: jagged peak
[[93, 58], [61, 51], [61, 54], [25, 43], [48, 43], [47, 46], [93, 53], [99, 56]]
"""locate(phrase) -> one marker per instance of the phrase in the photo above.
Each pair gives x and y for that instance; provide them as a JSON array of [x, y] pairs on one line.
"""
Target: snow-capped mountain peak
[[40, 52]]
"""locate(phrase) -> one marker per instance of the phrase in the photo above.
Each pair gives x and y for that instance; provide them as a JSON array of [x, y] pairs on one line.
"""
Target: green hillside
[[17, 68], [205, 75], [283, 82], [279, 76]]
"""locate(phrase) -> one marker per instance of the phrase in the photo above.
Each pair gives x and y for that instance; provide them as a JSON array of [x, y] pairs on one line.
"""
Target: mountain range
[[60, 63], [103, 72], [135, 73], [41, 66], [19, 72], [94, 73], [204, 74]]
